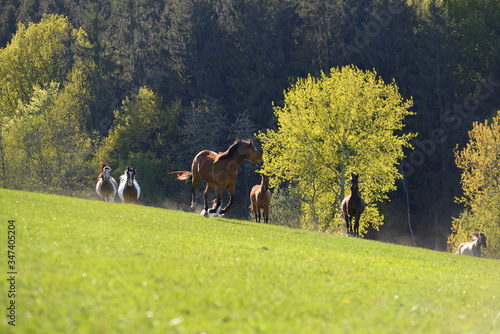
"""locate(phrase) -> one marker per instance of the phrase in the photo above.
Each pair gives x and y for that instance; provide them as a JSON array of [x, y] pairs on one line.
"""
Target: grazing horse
[[219, 171], [129, 190], [260, 197], [352, 207], [106, 187], [473, 247]]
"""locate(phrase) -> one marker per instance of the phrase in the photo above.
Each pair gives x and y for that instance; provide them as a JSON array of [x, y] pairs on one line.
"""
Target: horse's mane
[[102, 164], [233, 149], [123, 177]]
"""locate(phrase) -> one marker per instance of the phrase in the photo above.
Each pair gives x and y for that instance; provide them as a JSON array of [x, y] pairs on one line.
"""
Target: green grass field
[[91, 267]]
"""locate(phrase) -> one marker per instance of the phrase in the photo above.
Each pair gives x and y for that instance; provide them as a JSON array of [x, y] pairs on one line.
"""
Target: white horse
[[473, 248], [129, 190]]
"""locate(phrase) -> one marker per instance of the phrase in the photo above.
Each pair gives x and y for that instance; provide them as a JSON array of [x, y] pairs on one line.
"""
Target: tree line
[[151, 83]]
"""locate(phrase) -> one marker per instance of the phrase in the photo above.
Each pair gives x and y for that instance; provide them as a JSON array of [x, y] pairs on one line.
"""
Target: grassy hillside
[[91, 267]]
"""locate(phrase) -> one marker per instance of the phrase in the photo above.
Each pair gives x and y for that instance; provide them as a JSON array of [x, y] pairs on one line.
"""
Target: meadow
[[84, 266]]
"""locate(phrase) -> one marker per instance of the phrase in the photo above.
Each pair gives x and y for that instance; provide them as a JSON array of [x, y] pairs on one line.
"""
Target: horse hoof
[[209, 214]]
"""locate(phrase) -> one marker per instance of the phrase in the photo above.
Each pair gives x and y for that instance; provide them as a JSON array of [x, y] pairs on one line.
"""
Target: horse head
[[482, 238], [249, 151], [106, 172], [354, 183], [264, 181], [130, 176]]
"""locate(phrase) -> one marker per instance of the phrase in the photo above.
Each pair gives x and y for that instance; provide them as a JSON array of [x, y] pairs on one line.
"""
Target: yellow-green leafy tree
[[346, 120], [141, 137], [480, 164], [37, 55], [48, 140], [44, 110]]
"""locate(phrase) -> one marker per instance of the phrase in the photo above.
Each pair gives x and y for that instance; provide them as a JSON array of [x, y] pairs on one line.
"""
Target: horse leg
[[194, 181], [254, 209], [345, 215], [205, 196], [218, 192], [266, 215], [356, 225], [258, 213], [348, 219], [230, 190]]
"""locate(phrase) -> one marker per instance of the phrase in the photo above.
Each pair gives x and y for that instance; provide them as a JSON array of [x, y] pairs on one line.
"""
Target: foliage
[[341, 122], [46, 105], [23, 139], [45, 146], [141, 131], [477, 26], [36, 56], [94, 267], [285, 208], [204, 127], [479, 161], [141, 124]]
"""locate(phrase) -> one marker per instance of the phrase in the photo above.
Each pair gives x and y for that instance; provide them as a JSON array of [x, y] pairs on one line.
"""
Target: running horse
[[260, 197], [129, 190], [219, 170], [352, 207], [106, 187], [473, 247]]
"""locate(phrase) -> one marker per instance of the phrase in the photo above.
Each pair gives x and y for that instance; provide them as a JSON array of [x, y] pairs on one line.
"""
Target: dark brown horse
[[129, 190], [106, 187], [473, 247], [219, 171], [260, 197], [352, 207]]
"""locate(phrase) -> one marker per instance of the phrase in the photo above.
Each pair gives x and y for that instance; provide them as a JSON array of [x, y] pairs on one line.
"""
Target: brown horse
[[260, 197], [129, 190], [106, 187], [352, 207], [219, 171], [473, 248]]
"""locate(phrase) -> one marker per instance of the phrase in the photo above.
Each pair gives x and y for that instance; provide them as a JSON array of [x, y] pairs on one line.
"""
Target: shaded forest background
[[164, 79]]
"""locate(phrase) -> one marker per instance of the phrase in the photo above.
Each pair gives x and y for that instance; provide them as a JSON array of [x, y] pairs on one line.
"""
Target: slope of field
[[85, 266]]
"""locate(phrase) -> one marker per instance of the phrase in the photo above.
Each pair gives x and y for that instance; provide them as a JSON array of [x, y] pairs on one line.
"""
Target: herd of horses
[[220, 171]]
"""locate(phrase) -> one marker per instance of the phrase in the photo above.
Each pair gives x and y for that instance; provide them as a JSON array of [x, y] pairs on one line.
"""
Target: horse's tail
[[183, 175]]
